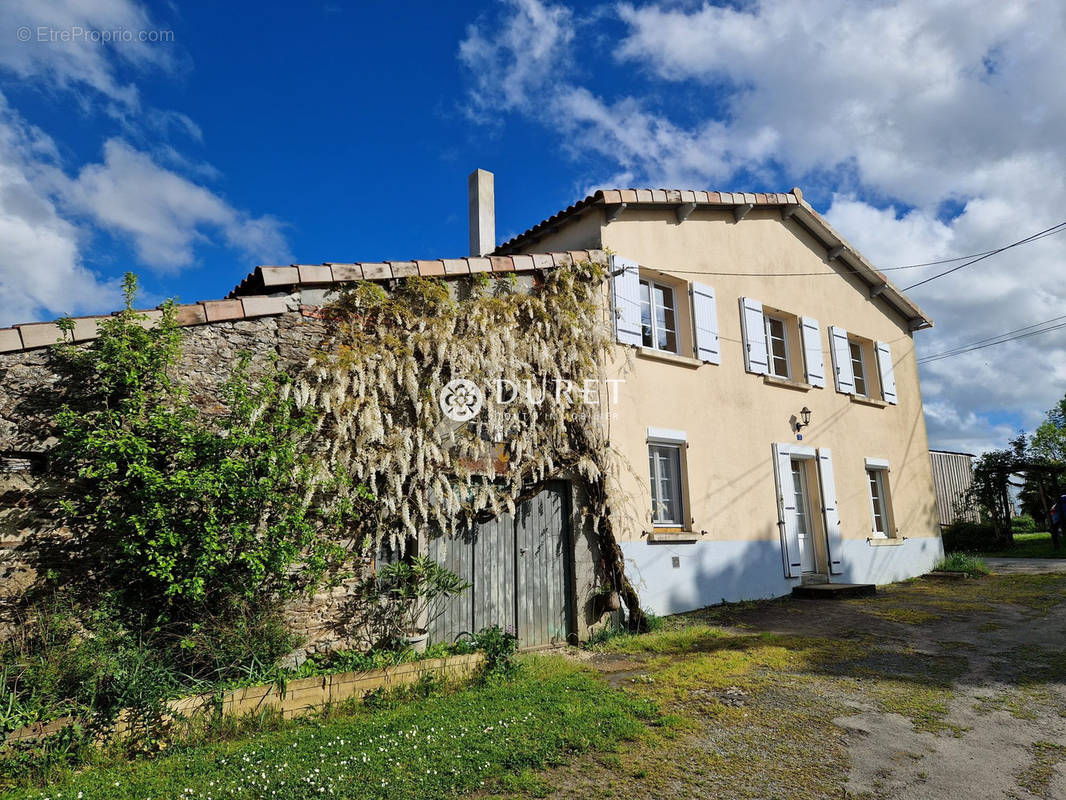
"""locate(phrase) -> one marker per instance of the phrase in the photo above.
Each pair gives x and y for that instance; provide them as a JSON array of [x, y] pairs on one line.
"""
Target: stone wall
[[31, 390]]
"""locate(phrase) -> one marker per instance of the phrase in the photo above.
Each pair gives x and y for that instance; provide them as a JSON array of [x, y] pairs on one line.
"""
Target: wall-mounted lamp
[[803, 421]]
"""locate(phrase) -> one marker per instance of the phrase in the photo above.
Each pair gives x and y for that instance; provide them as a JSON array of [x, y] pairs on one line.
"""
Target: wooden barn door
[[519, 566]]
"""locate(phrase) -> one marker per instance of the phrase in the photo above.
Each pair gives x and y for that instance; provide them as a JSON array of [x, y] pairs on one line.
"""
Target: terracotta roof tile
[[194, 314], [347, 272], [429, 269], [376, 271], [404, 269], [456, 266], [314, 273], [280, 276], [219, 310], [39, 334], [262, 306], [10, 340], [502, 263]]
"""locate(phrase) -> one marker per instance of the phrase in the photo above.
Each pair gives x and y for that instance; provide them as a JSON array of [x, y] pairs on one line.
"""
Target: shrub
[[498, 645], [178, 508], [965, 536], [1023, 524]]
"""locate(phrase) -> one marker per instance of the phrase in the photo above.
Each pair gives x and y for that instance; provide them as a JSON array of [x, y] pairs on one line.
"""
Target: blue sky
[[267, 133]]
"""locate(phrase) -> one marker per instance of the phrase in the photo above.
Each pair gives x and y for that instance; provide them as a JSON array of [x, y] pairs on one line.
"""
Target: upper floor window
[[858, 368], [658, 316], [777, 347]]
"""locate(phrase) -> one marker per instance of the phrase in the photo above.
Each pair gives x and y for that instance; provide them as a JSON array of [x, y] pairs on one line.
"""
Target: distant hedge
[[964, 536], [1023, 524]]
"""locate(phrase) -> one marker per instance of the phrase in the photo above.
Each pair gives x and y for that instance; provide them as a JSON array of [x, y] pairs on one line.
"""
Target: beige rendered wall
[[582, 233], [732, 417]]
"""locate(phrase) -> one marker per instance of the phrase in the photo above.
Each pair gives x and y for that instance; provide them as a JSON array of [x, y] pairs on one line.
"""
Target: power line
[[1052, 231], [1002, 339], [1047, 232], [962, 347]]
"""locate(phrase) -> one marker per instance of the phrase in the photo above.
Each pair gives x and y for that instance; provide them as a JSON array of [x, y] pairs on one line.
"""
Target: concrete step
[[834, 591]]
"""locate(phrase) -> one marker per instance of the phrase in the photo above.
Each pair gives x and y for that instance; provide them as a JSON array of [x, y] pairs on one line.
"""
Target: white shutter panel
[[812, 351], [705, 317], [788, 523], [755, 359], [838, 346], [833, 545], [888, 374], [625, 297]]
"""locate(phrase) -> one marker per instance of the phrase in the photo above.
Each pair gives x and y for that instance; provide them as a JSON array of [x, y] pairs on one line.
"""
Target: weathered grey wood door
[[519, 566]]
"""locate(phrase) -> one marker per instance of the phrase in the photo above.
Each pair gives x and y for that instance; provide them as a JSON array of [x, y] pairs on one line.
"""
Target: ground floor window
[[667, 501], [878, 480]]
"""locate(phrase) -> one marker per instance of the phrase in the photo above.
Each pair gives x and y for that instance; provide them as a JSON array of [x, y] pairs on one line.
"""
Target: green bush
[[498, 645], [1023, 524], [182, 509], [964, 536]]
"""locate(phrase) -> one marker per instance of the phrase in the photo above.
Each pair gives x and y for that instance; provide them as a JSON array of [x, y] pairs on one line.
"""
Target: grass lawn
[[481, 737], [1030, 545]]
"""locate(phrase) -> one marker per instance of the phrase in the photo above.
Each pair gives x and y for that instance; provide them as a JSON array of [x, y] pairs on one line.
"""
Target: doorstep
[[834, 591]]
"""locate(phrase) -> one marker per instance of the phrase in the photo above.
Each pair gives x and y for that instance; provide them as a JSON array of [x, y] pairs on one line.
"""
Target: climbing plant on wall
[[537, 353]]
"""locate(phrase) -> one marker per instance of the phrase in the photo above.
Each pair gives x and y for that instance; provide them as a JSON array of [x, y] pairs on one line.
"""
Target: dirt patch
[[932, 689]]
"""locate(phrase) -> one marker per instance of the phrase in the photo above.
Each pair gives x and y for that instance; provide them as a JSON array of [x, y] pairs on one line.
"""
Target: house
[[952, 477], [743, 316], [768, 430]]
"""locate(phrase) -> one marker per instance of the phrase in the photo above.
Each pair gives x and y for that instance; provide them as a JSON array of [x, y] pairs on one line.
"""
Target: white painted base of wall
[[716, 572]]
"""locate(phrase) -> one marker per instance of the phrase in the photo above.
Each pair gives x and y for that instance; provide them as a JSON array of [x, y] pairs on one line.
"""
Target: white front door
[[803, 515]]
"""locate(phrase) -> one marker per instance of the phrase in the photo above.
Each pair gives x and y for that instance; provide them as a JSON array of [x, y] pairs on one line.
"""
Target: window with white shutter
[[841, 352], [754, 330], [705, 323], [812, 351], [887, 373], [625, 301]]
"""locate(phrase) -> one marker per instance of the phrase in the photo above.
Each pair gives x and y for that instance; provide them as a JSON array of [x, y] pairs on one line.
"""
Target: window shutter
[[812, 351], [755, 358], [705, 317], [625, 299], [838, 346], [833, 544], [787, 523], [888, 374]]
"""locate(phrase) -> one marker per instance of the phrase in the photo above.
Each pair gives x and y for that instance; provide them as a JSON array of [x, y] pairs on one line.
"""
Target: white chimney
[[480, 186]]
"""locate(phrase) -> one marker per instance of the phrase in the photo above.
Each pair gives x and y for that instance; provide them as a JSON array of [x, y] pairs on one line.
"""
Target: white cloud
[[145, 190], [41, 267], [897, 109], [164, 214], [81, 62]]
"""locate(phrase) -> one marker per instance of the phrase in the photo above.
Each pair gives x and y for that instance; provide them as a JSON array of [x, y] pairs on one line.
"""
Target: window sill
[[893, 541], [786, 383], [670, 358], [868, 401], [675, 535]]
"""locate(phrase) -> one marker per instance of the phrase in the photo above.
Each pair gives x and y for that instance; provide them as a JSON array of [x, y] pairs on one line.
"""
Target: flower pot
[[417, 640]]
